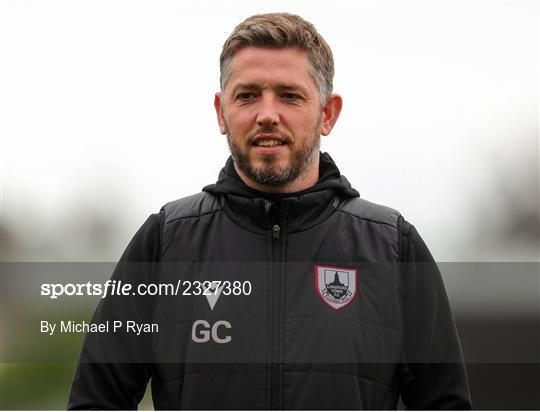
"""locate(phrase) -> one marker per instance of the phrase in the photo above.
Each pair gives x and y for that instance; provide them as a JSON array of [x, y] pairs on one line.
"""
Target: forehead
[[265, 66]]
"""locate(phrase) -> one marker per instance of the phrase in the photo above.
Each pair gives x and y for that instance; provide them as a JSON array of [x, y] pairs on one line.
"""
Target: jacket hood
[[259, 211], [330, 178]]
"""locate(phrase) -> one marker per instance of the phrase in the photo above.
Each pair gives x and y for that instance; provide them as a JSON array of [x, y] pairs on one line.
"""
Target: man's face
[[270, 111]]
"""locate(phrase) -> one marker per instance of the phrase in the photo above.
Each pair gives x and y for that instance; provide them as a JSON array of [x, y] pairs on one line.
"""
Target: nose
[[268, 113]]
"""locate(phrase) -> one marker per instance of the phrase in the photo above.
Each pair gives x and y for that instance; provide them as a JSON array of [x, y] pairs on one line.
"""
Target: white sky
[[109, 103]]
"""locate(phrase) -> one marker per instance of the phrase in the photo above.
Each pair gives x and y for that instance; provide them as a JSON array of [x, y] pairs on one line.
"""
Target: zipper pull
[[275, 231]]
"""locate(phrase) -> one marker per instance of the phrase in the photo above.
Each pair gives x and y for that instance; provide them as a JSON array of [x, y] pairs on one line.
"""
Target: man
[[300, 294]]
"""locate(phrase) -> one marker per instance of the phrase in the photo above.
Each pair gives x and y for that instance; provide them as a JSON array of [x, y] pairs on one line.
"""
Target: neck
[[305, 180]]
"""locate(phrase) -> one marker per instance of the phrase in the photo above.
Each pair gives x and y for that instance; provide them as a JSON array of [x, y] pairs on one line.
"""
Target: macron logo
[[213, 296]]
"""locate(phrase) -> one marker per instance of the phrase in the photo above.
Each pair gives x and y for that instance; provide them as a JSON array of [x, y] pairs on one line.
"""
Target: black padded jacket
[[338, 304]]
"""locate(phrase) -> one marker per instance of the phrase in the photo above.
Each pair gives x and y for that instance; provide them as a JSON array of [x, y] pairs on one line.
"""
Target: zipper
[[275, 358], [275, 232]]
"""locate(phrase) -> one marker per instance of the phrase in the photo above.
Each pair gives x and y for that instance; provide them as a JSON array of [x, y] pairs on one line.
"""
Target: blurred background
[[106, 114]]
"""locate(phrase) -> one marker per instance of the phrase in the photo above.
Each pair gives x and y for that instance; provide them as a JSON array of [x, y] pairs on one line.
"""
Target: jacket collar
[[259, 211]]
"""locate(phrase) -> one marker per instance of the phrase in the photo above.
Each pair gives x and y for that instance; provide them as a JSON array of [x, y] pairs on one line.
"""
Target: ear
[[219, 113], [330, 113]]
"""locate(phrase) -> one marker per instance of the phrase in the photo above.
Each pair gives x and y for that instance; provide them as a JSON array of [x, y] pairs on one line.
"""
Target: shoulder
[[145, 244], [373, 212], [413, 248], [196, 205]]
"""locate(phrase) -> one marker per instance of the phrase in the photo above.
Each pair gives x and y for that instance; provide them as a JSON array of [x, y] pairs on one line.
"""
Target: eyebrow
[[280, 86]]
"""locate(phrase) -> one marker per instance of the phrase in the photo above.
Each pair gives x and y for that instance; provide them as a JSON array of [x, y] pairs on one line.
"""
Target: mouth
[[268, 141]]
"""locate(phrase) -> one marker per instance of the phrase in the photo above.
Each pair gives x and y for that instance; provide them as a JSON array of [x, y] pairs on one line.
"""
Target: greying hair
[[282, 30]]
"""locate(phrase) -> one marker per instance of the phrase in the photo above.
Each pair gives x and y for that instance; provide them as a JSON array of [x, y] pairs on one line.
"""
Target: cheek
[[303, 124], [239, 122]]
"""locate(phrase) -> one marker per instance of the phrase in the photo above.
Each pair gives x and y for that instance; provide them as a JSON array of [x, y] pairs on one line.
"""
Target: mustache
[[269, 130]]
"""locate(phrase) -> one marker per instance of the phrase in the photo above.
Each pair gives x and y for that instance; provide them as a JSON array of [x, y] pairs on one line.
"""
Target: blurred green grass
[[37, 370], [45, 386]]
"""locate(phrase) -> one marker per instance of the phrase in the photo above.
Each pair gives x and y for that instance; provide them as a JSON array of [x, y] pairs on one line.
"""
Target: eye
[[290, 97], [245, 96]]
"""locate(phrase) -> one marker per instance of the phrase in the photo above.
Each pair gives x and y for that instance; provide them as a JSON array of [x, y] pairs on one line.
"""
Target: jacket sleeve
[[114, 368], [433, 374]]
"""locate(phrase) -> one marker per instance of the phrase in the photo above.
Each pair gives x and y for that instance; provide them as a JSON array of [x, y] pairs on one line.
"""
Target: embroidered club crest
[[335, 286]]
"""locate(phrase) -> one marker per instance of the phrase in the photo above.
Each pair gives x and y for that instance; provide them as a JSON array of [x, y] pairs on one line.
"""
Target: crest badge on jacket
[[337, 287]]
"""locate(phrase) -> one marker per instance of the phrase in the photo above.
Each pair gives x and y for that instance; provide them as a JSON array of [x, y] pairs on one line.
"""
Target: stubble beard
[[270, 174]]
